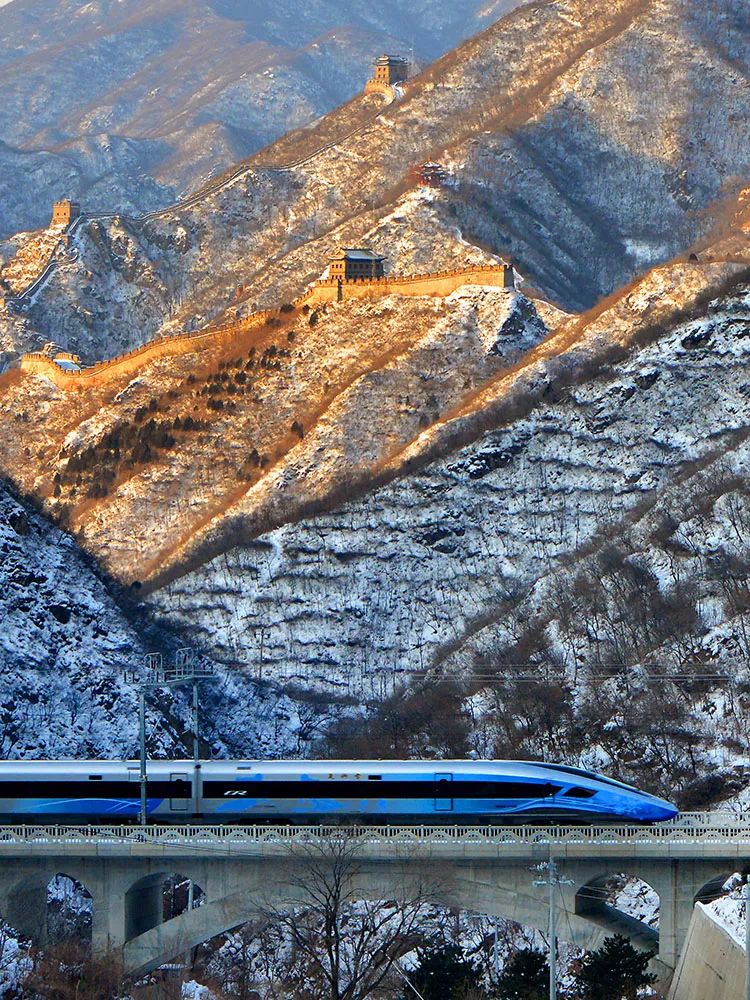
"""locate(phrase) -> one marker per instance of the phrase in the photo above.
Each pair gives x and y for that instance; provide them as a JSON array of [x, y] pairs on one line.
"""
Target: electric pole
[[552, 881], [747, 933], [155, 675]]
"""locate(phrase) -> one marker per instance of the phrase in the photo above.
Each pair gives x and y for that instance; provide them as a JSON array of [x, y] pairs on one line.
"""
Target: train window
[[579, 793], [374, 777], [95, 777]]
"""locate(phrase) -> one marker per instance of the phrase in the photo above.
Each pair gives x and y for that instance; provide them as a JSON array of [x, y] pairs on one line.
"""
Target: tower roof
[[355, 253], [390, 60]]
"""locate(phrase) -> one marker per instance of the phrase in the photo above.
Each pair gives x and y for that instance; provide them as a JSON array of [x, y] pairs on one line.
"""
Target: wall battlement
[[431, 283], [378, 87], [325, 290]]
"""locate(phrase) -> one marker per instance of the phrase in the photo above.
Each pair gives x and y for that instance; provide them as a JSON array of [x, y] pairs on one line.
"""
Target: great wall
[[324, 291], [390, 76], [16, 298]]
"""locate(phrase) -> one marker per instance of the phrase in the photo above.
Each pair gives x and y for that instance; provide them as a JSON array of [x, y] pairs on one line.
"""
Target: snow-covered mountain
[[587, 141], [351, 496], [127, 105], [70, 644]]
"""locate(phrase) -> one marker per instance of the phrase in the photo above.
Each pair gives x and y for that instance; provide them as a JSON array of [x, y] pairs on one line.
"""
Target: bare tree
[[68, 972], [344, 947]]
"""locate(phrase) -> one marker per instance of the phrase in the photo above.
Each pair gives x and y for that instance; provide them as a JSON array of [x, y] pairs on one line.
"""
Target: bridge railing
[[689, 828]]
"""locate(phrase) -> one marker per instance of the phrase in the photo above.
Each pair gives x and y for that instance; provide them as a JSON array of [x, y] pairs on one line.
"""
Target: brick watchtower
[[352, 264], [64, 212], [390, 70]]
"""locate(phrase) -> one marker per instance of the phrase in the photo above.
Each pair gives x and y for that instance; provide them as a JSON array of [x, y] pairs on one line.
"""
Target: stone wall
[[434, 283], [326, 290], [712, 965], [378, 87], [133, 361]]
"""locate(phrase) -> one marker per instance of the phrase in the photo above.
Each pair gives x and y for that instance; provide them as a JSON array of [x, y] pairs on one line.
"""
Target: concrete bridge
[[244, 870]]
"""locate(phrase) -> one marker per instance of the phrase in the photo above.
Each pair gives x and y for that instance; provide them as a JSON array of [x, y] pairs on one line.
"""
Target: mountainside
[[291, 411], [344, 500], [68, 639], [127, 105], [487, 494], [594, 530], [587, 141]]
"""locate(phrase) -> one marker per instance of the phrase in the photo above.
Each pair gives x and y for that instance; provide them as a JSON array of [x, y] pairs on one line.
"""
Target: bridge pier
[[26, 908]]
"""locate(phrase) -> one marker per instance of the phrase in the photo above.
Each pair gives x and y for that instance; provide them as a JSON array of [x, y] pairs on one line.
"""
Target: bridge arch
[[257, 892], [70, 910], [714, 888], [49, 906], [622, 904], [157, 897]]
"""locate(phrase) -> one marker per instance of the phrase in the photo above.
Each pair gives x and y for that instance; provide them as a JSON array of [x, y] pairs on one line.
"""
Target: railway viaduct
[[242, 871]]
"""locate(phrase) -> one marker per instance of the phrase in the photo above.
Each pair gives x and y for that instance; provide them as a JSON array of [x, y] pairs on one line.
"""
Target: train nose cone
[[659, 811]]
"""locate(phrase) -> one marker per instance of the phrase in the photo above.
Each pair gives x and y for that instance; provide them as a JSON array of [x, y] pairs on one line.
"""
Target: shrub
[[616, 971], [525, 977], [442, 973], [141, 454]]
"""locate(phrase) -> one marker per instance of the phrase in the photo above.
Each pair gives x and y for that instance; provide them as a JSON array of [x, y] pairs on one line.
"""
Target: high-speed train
[[357, 791]]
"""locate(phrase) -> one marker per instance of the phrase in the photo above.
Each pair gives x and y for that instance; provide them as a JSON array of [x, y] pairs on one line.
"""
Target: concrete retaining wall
[[712, 966]]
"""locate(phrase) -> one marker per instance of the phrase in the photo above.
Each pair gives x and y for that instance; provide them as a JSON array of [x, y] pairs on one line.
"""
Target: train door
[[444, 792], [180, 793]]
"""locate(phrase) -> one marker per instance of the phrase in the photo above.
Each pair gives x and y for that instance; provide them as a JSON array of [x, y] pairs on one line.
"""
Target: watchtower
[[64, 212], [390, 70], [349, 264]]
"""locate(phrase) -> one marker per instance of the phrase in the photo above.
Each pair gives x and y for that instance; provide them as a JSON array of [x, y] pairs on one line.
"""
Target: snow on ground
[[636, 898], [194, 991], [729, 911], [15, 963]]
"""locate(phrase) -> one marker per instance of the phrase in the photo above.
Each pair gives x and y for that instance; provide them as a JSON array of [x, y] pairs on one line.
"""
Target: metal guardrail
[[692, 829]]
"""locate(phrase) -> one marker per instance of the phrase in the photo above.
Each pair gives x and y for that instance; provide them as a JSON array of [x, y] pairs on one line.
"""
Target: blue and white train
[[333, 791]]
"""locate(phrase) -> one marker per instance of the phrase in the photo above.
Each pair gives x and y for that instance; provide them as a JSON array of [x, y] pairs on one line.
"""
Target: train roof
[[513, 767]]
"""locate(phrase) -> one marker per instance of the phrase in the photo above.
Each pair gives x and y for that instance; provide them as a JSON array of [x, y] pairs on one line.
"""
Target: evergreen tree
[[615, 972], [525, 977], [443, 973]]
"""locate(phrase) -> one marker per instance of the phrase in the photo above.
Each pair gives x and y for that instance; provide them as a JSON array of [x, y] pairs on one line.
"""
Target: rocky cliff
[[70, 645]]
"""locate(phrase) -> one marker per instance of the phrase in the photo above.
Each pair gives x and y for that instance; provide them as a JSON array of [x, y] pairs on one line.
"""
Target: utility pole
[[155, 675], [747, 933], [496, 952], [552, 881], [142, 755]]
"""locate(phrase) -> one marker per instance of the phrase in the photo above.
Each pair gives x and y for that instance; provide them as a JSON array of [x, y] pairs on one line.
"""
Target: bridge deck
[[698, 835]]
